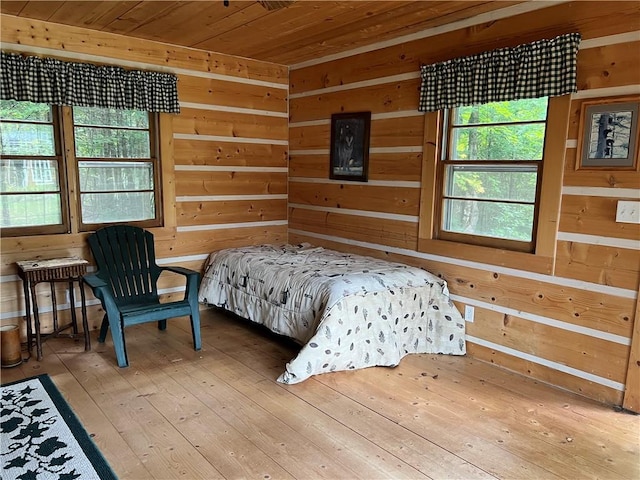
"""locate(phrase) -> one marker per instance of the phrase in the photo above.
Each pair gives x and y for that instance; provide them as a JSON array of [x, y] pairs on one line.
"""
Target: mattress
[[346, 311]]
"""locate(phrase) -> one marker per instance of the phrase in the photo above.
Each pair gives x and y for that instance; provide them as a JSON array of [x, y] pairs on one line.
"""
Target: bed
[[346, 311]]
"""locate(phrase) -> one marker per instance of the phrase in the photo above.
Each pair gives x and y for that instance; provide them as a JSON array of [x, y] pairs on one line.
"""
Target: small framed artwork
[[609, 135], [349, 155]]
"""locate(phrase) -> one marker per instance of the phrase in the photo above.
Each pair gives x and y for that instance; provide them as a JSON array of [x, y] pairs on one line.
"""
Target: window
[[32, 191], [111, 162], [490, 172], [117, 167]]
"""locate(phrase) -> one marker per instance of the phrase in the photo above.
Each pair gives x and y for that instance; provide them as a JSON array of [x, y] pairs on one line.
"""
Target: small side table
[[69, 269]]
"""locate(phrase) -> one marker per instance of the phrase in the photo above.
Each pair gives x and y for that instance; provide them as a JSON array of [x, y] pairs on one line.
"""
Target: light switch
[[628, 212]]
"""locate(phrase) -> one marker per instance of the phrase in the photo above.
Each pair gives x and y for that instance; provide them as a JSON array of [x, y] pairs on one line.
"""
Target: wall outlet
[[468, 313], [628, 212]]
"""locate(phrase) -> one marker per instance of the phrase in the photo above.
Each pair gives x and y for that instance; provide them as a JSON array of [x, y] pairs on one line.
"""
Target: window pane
[[28, 175], [33, 112], [496, 182], [115, 176], [27, 139], [110, 117], [491, 219], [117, 207], [506, 142], [110, 143], [527, 110], [30, 210]]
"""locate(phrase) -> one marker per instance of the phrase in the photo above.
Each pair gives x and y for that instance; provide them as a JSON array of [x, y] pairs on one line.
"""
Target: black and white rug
[[41, 438]]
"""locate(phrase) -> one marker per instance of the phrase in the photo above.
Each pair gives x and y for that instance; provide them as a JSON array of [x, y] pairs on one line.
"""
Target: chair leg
[[162, 324], [117, 334], [195, 330], [103, 329]]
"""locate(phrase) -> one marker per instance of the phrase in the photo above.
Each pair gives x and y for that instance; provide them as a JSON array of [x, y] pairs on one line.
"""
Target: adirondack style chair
[[126, 284]]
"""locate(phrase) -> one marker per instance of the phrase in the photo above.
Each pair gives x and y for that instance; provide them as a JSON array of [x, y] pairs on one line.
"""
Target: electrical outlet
[[628, 212], [468, 313]]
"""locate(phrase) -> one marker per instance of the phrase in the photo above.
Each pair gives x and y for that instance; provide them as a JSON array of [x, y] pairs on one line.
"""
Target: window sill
[[529, 262]]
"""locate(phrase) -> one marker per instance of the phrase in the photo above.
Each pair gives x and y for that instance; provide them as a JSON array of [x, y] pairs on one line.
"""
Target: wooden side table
[[32, 272]]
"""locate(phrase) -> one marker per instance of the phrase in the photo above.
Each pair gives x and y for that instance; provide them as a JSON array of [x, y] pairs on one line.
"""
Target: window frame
[[59, 157], [154, 159], [542, 257], [445, 160], [68, 173]]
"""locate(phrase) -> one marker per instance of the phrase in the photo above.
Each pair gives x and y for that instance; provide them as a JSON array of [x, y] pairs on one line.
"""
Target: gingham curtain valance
[[545, 68], [47, 80]]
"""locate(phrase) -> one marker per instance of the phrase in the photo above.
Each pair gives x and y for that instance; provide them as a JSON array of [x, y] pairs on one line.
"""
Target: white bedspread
[[347, 311]]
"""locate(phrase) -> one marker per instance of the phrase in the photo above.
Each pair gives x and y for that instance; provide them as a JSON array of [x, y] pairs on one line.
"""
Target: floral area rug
[[41, 438]]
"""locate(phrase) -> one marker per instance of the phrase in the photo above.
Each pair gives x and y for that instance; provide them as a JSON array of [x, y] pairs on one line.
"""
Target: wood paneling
[[201, 242], [589, 19], [204, 152], [595, 310], [303, 30], [546, 374], [388, 132], [614, 266], [399, 200], [310, 137], [594, 216], [364, 229], [207, 122], [36, 33], [382, 166], [388, 97], [582, 352], [632, 395], [195, 89], [596, 178], [220, 212], [230, 183], [609, 66]]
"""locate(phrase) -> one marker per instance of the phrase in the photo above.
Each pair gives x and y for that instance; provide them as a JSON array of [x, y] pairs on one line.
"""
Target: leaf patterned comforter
[[347, 311]]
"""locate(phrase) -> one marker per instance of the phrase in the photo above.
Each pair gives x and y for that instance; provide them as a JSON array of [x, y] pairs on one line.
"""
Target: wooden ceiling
[[289, 35]]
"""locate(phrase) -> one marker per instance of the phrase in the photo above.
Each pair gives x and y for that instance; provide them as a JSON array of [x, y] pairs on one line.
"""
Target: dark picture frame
[[609, 135], [349, 155]]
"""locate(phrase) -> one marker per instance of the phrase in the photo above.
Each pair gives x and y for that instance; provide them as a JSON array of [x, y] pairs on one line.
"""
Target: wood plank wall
[[224, 156], [571, 328], [227, 164]]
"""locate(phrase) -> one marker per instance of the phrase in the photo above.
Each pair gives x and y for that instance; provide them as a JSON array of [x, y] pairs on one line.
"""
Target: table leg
[[36, 319], [27, 314], [72, 301], [85, 322], [54, 306]]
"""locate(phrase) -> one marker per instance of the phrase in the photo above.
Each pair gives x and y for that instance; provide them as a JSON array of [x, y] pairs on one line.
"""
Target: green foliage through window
[[115, 160], [491, 168]]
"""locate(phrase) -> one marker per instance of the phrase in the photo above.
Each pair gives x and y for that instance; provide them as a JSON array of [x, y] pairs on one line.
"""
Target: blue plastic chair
[[126, 284]]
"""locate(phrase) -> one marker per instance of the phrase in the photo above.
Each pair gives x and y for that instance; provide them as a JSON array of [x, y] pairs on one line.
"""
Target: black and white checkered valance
[[48, 80], [545, 68]]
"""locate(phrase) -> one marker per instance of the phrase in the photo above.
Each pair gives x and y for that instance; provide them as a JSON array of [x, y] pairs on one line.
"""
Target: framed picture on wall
[[609, 134], [349, 155]]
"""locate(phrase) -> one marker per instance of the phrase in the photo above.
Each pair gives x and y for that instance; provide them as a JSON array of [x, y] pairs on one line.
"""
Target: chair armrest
[[180, 270], [94, 281], [193, 283], [101, 290]]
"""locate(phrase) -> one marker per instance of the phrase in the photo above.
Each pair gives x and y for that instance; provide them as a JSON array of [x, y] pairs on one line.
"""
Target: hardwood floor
[[218, 413]]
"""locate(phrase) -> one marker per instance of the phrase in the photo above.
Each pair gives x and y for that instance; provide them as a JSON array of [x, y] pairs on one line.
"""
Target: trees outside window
[[32, 188], [111, 159], [490, 174]]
